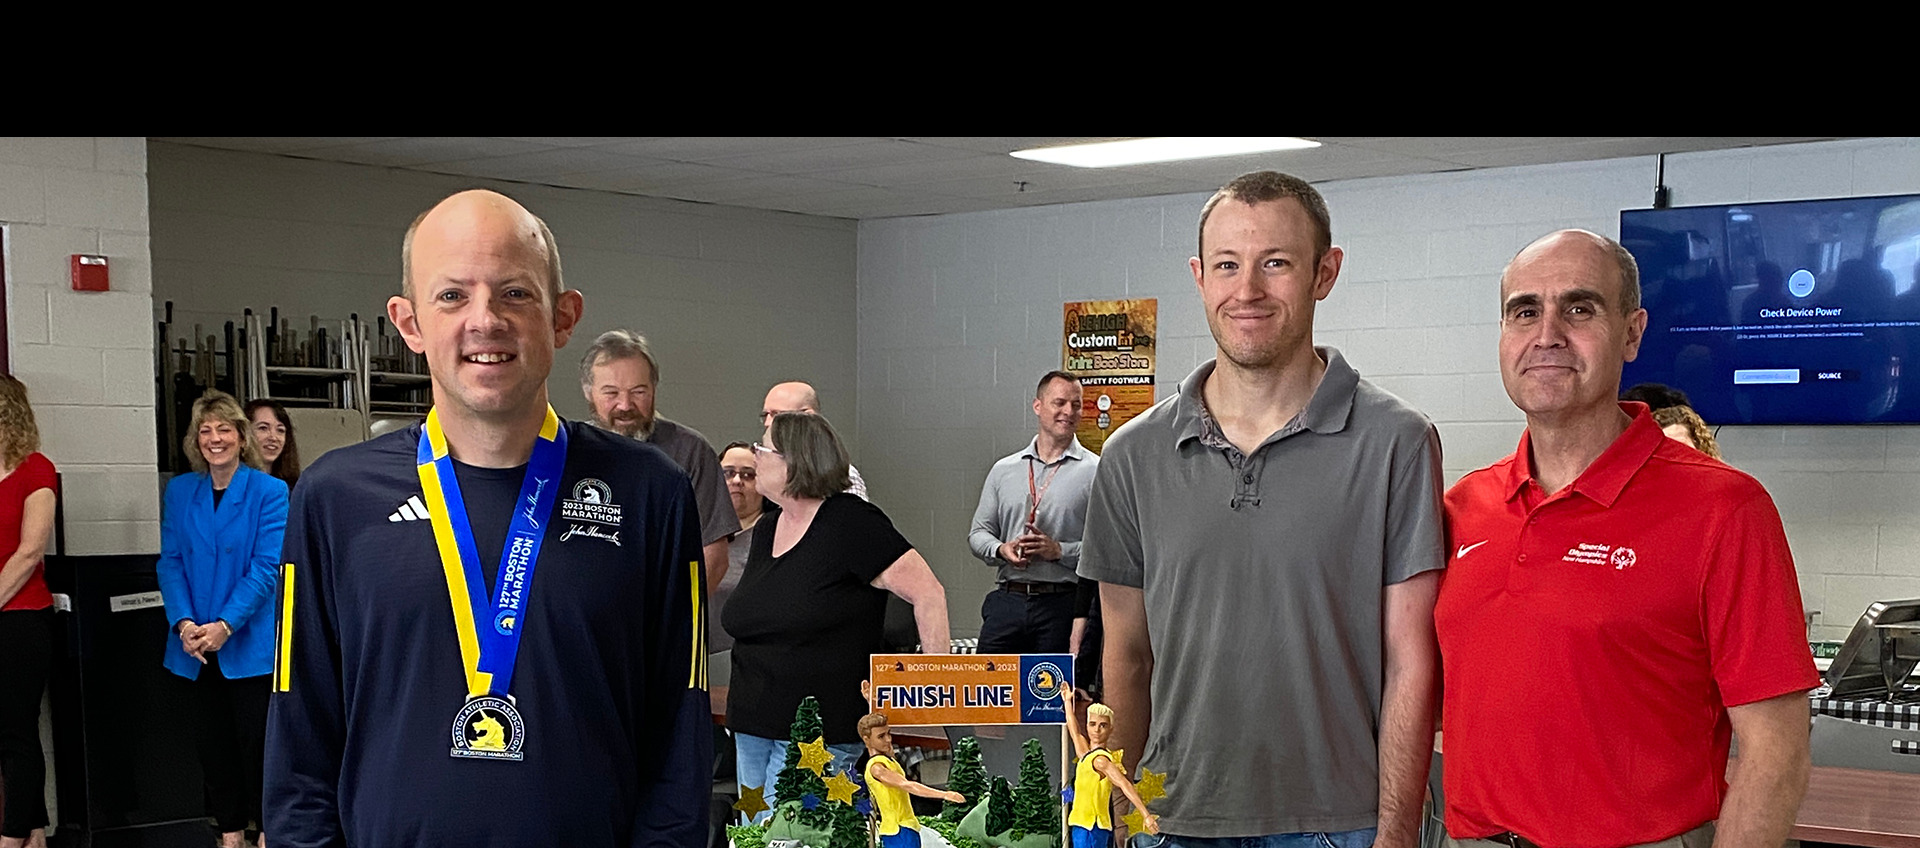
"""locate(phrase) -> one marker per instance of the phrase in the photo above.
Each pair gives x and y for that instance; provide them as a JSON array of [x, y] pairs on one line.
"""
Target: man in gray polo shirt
[[618, 374], [1268, 543], [1028, 524]]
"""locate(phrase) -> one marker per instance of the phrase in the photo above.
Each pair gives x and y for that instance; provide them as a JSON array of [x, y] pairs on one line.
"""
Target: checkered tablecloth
[[1871, 711]]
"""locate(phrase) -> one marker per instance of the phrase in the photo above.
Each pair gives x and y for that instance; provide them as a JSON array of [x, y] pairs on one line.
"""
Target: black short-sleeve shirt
[[804, 623]]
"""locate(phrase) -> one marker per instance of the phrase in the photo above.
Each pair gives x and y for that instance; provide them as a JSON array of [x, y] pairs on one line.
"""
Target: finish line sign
[[972, 688]]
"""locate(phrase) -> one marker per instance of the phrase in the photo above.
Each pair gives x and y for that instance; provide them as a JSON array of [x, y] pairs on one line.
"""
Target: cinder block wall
[[86, 357], [733, 300], [960, 313]]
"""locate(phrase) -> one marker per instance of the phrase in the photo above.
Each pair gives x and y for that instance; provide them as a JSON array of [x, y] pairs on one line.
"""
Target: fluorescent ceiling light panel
[[1139, 151]]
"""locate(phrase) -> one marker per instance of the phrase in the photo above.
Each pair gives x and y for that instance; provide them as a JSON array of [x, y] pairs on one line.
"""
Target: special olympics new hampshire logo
[[1624, 558]]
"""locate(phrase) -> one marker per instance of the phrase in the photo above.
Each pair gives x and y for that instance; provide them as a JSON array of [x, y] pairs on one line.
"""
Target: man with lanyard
[[1028, 524], [1619, 606], [492, 623]]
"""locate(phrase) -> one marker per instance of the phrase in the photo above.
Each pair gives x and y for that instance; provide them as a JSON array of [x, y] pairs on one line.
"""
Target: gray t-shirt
[[718, 639], [1263, 578], [694, 454]]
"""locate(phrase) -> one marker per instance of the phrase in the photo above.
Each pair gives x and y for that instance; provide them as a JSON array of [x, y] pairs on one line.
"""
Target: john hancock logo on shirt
[[590, 511], [1587, 553]]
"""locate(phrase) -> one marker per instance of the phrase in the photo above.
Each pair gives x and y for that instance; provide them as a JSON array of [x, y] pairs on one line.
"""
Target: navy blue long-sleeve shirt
[[610, 678]]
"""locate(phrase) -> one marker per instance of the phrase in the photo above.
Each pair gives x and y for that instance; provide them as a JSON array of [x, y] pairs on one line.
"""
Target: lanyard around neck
[[488, 650]]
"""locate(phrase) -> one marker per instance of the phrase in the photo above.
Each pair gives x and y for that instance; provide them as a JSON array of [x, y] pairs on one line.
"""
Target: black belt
[[1512, 840], [1038, 588]]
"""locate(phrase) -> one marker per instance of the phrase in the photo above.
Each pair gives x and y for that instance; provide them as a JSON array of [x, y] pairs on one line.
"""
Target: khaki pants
[[1699, 837]]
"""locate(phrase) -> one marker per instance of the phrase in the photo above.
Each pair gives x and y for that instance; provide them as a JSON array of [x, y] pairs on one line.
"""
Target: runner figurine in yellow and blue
[[890, 787], [1098, 771]]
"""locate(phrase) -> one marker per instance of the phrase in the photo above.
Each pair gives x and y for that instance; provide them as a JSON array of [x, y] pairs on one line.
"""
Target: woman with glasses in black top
[[811, 605]]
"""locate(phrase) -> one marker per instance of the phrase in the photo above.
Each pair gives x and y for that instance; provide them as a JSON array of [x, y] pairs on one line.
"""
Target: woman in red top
[[26, 616]]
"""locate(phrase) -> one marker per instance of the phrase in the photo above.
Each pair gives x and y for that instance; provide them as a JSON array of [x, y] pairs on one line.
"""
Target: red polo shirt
[[1593, 638]]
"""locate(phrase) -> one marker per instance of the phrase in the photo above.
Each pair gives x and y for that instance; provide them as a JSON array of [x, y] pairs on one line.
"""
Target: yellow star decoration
[[1134, 822], [839, 788], [1152, 785], [814, 756], [751, 803]]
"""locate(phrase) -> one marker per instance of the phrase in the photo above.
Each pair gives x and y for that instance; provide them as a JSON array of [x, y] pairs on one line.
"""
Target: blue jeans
[[1362, 838], [758, 761]]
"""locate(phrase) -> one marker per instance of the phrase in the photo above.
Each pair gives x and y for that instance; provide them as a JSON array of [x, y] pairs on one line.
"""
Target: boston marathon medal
[[488, 728], [489, 625]]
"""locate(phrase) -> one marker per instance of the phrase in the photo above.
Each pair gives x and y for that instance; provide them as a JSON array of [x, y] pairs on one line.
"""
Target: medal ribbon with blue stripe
[[490, 628]]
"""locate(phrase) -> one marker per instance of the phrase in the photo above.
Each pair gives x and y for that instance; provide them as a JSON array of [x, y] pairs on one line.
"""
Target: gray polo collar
[[1327, 411], [1073, 451]]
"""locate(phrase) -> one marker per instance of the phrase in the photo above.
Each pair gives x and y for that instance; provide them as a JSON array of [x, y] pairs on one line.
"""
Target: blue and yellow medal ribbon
[[489, 647]]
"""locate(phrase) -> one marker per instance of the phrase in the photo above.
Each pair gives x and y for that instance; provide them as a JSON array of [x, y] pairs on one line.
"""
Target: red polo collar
[[1610, 472]]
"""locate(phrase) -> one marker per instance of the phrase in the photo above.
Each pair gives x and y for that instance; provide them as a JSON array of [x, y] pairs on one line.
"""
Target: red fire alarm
[[89, 272]]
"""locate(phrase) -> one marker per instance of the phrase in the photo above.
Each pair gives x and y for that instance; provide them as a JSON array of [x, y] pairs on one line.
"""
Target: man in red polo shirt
[[1618, 605]]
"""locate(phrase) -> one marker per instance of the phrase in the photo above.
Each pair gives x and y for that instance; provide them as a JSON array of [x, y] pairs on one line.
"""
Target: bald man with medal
[[493, 623]]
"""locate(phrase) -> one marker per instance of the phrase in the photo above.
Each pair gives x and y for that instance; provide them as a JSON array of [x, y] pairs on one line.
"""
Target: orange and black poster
[[1110, 344]]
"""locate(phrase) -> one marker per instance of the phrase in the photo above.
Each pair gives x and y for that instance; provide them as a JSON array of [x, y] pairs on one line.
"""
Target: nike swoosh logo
[[1466, 549]]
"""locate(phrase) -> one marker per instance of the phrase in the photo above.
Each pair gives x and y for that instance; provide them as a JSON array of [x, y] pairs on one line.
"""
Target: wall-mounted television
[[1801, 312]]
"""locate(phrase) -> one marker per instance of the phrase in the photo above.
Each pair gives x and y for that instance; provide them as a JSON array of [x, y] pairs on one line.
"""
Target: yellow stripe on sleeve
[[283, 670], [697, 669]]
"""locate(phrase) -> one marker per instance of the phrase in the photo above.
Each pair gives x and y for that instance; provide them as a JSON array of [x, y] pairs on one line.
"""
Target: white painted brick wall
[[86, 357], [1415, 310], [733, 300]]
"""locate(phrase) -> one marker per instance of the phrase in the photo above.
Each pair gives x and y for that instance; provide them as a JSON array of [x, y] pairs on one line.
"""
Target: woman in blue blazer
[[220, 535]]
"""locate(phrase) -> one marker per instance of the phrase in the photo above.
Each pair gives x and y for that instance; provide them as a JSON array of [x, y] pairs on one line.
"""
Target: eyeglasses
[[760, 449], [766, 415], [745, 475]]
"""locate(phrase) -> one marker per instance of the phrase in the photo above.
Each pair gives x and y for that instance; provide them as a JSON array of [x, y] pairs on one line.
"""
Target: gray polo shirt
[[694, 454], [1263, 577], [1006, 498]]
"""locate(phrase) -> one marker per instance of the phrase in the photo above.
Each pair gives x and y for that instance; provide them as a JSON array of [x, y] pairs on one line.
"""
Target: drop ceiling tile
[[1595, 149], [1004, 145], [576, 142], [653, 174], [276, 144], [707, 148], [417, 151], [1448, 147], [1309, 164], [920, 173], [751, 190], [838, 157], [930, 206], [1114, 183], [543, 163], [871, 176]]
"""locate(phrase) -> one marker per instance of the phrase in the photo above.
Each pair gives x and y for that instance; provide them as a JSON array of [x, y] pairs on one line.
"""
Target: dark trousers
[[26, 653], [230, 730], [1013, 623]]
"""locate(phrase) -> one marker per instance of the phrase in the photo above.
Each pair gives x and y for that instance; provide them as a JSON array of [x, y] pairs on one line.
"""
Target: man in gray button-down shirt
[[1028, 524]]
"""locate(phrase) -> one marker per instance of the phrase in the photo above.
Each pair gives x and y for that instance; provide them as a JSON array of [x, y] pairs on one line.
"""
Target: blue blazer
[[222, 565]]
